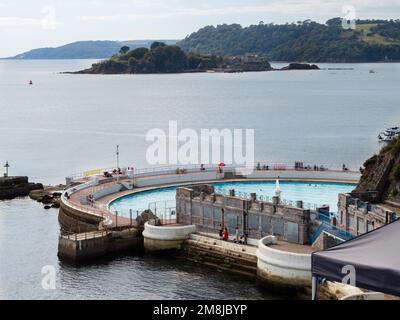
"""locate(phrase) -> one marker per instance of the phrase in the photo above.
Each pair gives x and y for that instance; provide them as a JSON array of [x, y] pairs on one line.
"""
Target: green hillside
[[372, 40]]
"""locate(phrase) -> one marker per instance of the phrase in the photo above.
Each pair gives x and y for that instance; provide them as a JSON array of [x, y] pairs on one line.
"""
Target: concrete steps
[[221, 254]]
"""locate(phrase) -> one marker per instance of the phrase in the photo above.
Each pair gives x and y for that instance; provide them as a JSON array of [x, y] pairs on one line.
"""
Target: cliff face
[[381, 173]]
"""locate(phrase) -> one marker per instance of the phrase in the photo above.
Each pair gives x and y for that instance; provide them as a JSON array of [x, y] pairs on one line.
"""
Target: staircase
[[332, 230], [223, 255]]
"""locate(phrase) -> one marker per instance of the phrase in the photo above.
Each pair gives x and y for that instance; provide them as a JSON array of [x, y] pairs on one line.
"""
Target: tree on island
[[162, 58], [124, 50]]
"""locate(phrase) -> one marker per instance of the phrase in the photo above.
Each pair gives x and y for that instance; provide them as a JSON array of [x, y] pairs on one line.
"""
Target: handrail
[[331, 229], [139, 172], [97, 184]]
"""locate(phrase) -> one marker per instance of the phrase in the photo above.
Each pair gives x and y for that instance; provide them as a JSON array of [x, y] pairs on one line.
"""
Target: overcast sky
[[28, 24]]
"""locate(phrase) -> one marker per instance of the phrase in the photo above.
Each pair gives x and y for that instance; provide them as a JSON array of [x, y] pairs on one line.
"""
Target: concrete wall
[[256, 218], [77, 220], [365, 296], [177, 178], [359, 217], [326, 241], [282, 269], [159, 238], [349, 176], [91, 245], [83, 249], [107, 191]]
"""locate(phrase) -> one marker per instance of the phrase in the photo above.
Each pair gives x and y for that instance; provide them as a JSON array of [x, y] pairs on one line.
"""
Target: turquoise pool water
[[311, 193]]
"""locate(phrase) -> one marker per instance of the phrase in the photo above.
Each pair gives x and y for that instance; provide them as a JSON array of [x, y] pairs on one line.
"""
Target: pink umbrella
[[221, 164]]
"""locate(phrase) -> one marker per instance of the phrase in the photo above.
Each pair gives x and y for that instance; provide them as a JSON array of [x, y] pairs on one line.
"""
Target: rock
[[381, 174], [56, 205], [146, 216], [301, 66], [13, 187], [49, 196], [47, 207], [47, 199]]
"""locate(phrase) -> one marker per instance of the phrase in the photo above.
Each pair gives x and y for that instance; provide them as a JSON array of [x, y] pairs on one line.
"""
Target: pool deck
[[107, 200], [101, 207], [293, 247]]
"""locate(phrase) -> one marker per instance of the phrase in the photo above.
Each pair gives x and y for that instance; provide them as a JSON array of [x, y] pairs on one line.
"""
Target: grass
[[365, 29]]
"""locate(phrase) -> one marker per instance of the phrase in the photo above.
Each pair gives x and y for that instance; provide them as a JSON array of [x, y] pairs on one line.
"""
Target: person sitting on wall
[[202, 167], [226, 234]]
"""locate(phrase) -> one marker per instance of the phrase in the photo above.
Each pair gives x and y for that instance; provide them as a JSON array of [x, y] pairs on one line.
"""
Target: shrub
[[371, 161], [396, 173], [395, 146]]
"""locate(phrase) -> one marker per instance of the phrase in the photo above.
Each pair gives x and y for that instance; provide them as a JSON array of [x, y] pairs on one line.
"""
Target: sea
[[65, 124]]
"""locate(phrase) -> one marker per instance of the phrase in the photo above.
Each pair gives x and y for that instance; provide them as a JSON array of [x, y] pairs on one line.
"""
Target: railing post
[[116, 219], [130, 215]]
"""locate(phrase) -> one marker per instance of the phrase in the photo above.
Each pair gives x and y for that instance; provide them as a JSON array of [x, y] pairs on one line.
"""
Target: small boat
[[372, 71], [389, 134]]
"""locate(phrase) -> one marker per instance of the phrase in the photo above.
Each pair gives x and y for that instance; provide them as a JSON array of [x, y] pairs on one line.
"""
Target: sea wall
[[96, 244], [220, 254], [167, 237], [282, 269], [77, 220]]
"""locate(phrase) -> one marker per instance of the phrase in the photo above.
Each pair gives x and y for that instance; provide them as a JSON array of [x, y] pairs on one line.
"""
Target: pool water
[[311, 193]]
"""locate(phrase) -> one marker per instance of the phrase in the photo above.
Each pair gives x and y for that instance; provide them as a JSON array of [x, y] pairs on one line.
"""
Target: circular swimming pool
[[312, 193]]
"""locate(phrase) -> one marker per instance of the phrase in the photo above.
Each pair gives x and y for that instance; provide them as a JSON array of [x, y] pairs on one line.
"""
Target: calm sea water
[[70, 123]]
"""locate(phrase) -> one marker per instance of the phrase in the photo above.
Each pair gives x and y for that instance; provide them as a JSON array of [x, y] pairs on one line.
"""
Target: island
[[162, 58]]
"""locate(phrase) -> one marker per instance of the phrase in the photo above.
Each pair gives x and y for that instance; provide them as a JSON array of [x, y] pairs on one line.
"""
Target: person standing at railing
[[221, 232], [237, 237], [226, 234]]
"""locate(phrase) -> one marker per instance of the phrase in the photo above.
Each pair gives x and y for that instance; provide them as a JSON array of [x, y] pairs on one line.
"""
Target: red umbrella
[[221, 164]]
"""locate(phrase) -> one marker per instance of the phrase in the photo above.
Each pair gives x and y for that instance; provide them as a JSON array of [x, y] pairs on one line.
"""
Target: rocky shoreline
[[228, 68], [13, 187], [49, 196]]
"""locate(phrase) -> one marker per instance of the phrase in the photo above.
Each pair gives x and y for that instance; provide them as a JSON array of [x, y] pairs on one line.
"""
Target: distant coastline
[[370, 41]]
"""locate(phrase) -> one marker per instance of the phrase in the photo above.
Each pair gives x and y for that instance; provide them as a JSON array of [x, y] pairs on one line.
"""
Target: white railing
[[96, 184], [172, 169]]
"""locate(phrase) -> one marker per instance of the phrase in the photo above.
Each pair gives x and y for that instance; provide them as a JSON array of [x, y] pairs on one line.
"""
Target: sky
[[28, 24]]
